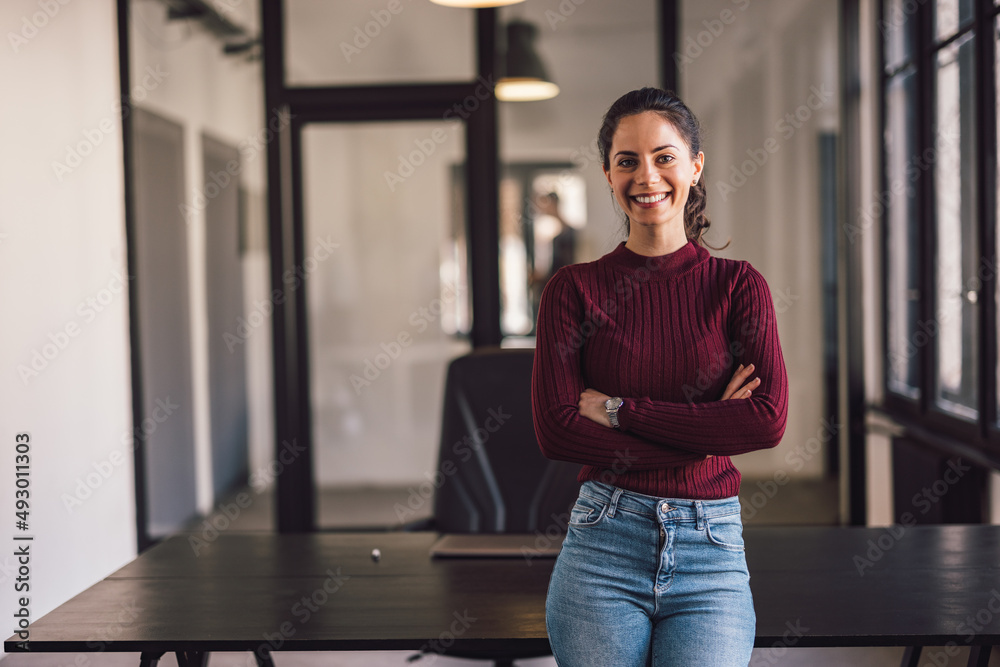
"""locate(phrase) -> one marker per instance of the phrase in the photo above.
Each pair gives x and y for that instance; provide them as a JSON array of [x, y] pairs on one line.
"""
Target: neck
[[655, 241]]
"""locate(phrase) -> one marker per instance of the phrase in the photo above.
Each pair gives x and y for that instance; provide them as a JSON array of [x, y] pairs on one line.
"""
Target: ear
[[606, 174], [699, 165]]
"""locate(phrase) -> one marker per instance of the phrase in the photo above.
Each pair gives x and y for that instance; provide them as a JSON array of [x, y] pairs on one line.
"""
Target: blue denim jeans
[[650, 581]]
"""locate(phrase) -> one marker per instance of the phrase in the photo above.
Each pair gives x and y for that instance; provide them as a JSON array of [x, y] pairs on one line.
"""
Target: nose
[[647, 173]]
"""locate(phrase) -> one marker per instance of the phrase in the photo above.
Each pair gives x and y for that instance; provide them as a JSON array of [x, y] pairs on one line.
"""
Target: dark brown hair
[[674, 111]]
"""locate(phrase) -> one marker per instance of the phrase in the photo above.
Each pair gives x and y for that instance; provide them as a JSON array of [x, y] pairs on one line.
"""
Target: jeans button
[[664, 508]]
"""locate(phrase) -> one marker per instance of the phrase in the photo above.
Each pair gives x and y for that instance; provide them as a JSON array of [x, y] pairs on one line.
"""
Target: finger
[[746, 391], [742, 391], [738, 380], [742, 373]]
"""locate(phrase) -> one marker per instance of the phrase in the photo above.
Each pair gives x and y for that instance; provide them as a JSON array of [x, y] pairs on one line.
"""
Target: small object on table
[[376, 555]]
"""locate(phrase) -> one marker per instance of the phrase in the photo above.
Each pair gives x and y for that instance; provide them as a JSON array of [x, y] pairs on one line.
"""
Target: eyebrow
[[655, 150]]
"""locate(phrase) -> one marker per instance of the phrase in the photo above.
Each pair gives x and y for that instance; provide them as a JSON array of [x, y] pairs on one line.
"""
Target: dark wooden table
[[912, 587]]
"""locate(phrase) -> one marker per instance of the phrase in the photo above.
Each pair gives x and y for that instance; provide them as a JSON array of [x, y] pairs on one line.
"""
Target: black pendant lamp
[[523, 76], [472, 4]]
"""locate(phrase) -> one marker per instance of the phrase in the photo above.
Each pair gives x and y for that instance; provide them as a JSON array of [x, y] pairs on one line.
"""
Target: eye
[[665, 159], [626, 162]]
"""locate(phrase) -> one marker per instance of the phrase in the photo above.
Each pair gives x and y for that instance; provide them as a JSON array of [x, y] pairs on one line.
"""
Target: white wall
[[206, 91], [62, 243], [65, 345]]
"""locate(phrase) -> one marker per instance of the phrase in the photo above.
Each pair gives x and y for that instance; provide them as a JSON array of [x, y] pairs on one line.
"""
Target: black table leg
[[192, 658], [911, 656], [979, 656], [150, 658], [263, 655]]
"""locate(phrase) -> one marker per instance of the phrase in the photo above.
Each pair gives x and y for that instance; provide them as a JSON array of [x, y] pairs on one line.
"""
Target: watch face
[[613, 403]]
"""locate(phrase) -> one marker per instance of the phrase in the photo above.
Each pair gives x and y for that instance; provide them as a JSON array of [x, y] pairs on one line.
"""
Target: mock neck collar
[[667, 266]]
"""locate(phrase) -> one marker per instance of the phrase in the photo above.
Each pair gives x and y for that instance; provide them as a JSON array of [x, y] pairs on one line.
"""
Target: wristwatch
[[612, 405]]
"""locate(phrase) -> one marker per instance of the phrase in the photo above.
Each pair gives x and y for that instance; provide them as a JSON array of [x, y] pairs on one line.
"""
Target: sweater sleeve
[[556, 384], [733, 426]]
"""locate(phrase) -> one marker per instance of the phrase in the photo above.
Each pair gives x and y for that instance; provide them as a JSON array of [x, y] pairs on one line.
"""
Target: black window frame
[[978, 438]]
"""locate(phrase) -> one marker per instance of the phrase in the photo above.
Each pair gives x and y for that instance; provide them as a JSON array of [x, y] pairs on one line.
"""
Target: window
[[940, 211]]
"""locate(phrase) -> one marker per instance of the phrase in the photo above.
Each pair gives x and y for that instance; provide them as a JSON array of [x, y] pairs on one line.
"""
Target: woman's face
[[651, 170]]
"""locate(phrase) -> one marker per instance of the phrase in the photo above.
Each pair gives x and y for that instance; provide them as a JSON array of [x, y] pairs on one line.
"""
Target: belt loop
[[614, 502], [700, 514]]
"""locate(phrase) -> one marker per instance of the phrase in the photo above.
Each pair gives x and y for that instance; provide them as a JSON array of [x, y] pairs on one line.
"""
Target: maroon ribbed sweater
[[666, 334]]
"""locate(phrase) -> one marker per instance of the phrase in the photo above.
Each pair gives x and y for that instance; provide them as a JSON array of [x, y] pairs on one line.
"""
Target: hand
[[591, 406], [738, 387]]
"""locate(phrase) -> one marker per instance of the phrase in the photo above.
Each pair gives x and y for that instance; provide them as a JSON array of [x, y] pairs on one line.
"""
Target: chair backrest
[[493, 477]]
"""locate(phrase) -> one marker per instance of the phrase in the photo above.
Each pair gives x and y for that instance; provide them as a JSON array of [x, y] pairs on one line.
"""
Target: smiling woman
[[653, 162], [651, 173], [662, 352]]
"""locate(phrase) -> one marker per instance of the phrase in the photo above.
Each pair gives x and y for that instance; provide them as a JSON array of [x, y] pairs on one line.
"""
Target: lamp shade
[[475, 3], [523, 76]]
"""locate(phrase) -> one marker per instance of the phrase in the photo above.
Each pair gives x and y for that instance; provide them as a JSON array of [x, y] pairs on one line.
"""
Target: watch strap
[[612, 405]]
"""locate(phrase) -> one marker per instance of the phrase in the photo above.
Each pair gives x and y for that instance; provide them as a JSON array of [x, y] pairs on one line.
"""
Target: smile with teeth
[[650, 199]]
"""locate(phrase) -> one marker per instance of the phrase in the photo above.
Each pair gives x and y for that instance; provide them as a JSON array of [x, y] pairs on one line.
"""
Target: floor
[[801, 503]]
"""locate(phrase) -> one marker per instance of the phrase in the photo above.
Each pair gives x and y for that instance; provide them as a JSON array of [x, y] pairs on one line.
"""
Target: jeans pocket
[[587, 511], [726, 531]]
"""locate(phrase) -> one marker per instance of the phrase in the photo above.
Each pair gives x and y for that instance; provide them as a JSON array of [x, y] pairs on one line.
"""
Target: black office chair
[[497, 480]]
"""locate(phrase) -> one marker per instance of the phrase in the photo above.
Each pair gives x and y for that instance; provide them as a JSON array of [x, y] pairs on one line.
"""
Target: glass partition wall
[[383, 240], [385, 217], [387, 296]]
